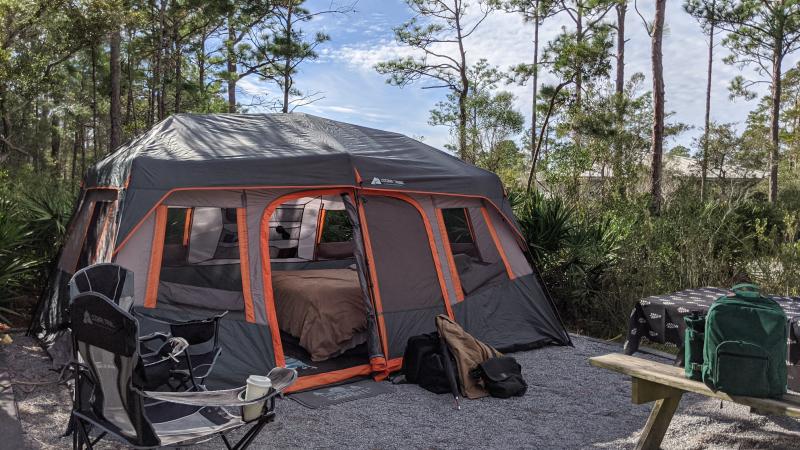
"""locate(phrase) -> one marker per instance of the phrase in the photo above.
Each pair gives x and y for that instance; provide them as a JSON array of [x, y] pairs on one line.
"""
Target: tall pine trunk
[[704, 159], [177, 57], [94, 102], [463, 95], [115, 110], [287, 77], [775, 111], [619, 91], [657, 145], [231, 59], [534, 95]]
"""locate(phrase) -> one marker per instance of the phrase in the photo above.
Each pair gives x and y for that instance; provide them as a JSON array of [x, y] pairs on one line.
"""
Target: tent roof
[[280, 150], [259, 146]]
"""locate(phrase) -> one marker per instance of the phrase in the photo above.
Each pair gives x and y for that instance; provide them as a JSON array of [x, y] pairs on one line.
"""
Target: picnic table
[[665, 385], [659, 319]]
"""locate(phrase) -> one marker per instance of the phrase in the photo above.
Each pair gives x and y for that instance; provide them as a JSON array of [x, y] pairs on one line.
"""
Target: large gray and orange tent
[[330, 244]]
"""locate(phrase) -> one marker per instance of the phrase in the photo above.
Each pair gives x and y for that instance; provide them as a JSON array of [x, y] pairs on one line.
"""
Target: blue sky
[[354, 92]]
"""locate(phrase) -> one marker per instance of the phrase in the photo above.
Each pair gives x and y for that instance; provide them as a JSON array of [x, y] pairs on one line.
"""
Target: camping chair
[[113, 281], [109, 399], [204, 349]]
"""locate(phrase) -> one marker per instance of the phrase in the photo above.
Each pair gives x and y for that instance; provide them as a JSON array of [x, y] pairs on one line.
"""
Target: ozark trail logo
[[91, 319], [377, 181]]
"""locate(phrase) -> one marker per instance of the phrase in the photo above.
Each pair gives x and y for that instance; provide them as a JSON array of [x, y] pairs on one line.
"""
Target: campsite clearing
[[569, 404]]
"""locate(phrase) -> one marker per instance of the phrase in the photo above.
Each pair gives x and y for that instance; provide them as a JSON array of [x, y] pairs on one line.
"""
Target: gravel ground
[[569, 404]]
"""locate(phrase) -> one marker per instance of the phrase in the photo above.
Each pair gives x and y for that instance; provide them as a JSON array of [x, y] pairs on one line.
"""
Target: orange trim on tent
[[496, 240], [156, 253], [376, 291], [210, 188], [266, 269], [359, 180], [187, 226], [320, 223], [378, 364], [449, 253], [395, 364], [431, 243], [322, 379], [244, 263], [228, 188]]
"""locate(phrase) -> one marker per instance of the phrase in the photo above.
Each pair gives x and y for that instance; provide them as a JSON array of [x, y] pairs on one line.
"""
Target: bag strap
[[747, 290]]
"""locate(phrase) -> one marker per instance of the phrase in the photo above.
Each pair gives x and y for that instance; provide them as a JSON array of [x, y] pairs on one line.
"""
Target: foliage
[[33, 222]]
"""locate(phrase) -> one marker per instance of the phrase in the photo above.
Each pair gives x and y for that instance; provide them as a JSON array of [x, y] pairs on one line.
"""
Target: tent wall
[[407, 269], [409, 280]]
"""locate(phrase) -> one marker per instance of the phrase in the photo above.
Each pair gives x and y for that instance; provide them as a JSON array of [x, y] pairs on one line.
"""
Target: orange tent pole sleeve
[[244, 263], [187, 226], [156, 254]]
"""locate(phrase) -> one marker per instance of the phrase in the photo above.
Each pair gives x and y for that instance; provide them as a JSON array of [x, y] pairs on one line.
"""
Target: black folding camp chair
[[110, 400], [113, 281], [204, 349]]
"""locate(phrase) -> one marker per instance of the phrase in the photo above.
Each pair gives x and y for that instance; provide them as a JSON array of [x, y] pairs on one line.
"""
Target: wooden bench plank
[[674, 377]]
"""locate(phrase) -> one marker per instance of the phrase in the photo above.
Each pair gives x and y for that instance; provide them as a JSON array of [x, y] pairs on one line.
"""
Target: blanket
[[323, 308]]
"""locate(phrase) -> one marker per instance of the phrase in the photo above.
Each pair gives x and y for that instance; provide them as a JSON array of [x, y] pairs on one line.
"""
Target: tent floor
[[354, 357]]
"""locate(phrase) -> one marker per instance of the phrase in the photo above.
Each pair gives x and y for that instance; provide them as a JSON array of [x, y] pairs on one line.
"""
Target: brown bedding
[[323, 308]]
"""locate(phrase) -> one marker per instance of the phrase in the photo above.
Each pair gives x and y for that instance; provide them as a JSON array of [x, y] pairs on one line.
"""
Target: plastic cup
[[257, 386]]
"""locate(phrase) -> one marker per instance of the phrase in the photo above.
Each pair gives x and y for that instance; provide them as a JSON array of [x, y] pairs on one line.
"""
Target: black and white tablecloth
[[660, 319]]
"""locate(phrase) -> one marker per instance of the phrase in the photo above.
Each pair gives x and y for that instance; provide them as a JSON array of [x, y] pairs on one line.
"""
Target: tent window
[[475, 255], [459, 231], [176, 225], [100, 214], [336, 227], [205, 273]]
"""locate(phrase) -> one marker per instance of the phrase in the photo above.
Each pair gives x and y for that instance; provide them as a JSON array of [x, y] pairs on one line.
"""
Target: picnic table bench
[[665, 385]]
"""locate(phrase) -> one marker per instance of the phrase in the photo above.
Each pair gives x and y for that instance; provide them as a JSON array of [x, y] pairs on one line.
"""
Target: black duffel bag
[[502, 377], [423, 363]]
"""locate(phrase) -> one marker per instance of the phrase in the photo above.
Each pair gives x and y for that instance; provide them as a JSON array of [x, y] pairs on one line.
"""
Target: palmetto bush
[[599, 258], [32, 225]]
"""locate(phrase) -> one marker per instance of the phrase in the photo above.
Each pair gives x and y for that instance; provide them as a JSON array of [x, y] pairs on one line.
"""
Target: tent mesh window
[[475, 254], [200, 264]]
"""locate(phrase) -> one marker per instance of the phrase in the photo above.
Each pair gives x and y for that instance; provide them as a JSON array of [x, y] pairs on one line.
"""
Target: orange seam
[[496, 240], [320, 223], [448, 249], [187, 226], [244, 263], [359, 188], [156, 253], [321, 379]]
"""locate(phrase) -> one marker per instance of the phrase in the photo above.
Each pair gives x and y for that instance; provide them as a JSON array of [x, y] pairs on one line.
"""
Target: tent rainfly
[[330, 244]]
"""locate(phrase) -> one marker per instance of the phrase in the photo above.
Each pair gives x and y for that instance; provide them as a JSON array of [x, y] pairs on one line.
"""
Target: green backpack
[[745, 344]]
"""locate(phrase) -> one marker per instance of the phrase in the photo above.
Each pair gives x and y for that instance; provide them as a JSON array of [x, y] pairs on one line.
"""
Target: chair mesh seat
[[201, 423]]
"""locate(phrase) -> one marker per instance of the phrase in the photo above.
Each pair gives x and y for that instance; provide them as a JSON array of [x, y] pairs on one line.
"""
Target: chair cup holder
[[254, 411]]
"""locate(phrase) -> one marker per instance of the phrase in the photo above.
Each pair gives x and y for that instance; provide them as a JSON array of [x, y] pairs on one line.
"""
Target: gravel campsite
[[569, 404]]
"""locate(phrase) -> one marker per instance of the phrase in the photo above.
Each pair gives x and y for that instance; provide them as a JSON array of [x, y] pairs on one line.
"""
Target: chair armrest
[[282, 377]]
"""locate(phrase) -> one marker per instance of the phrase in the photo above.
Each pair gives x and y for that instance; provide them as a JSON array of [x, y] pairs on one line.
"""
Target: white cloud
[[505, 40]]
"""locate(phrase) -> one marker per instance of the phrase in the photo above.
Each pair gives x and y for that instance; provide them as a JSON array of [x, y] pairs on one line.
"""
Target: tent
[[330, 244]]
